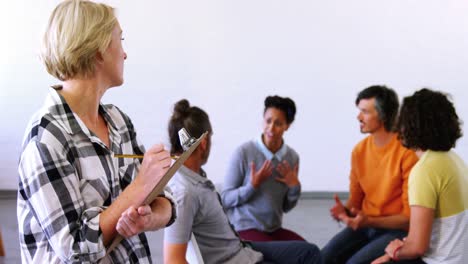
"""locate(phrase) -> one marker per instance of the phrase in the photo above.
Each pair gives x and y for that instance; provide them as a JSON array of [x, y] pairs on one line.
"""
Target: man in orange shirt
[[377, 210]]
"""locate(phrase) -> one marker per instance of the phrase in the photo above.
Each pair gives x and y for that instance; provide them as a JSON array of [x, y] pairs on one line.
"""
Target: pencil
[[134, 156]]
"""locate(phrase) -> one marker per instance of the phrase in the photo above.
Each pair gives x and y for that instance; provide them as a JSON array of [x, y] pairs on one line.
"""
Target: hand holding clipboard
[[189, 144]]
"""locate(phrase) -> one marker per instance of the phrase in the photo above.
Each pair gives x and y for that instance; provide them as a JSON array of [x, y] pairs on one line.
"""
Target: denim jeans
[[360, 246], [288, 252]]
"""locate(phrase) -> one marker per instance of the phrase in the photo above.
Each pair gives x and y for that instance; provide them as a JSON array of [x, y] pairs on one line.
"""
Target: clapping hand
[[357, 219], [338, 209], [288, 175], [258, 177]]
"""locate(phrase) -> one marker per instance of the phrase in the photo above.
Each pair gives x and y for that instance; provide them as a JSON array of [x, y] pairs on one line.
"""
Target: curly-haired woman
[[438, 184]]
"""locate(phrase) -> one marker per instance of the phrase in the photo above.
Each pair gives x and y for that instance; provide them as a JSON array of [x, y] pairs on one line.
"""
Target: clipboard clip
[[186, 141]]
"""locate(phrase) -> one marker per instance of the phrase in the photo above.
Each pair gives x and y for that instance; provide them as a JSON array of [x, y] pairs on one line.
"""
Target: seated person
[[262, 179], [377, 210], [200, 211], [438, 184]]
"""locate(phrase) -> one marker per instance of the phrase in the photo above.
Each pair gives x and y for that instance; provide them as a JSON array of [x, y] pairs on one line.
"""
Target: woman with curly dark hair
[[262, 180], [438, 183]]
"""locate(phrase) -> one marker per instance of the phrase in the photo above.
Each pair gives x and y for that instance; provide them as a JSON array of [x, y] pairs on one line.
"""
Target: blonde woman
[[74, 195]]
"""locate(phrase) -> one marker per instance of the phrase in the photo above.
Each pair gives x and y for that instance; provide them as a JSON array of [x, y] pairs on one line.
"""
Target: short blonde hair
[[77, 30]]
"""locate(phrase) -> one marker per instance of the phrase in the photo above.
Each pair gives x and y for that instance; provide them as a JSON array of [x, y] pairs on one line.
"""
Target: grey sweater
[[261, 208]]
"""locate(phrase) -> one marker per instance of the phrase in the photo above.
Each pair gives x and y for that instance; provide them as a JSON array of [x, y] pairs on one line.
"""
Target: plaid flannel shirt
[[67, 178]]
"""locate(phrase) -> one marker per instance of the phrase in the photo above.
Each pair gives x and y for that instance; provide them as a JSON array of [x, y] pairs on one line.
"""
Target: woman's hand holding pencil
[[155, 164]]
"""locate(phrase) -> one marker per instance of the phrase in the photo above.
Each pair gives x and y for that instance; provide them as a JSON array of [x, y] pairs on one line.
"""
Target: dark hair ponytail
[[192, 118]]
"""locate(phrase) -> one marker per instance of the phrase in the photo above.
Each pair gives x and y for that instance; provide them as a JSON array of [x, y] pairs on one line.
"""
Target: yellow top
[[439, 181]]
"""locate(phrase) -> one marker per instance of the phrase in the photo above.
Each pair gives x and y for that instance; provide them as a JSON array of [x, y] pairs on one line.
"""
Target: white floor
[[310, 219]]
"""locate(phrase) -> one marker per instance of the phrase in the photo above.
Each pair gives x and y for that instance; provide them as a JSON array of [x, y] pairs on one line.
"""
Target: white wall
[[226, 56]]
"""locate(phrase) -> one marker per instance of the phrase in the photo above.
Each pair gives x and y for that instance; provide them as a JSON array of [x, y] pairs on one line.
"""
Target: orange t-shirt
[[379, 177]]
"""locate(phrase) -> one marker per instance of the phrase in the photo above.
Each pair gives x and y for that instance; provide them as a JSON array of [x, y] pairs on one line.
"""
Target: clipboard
[[159, 187]]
